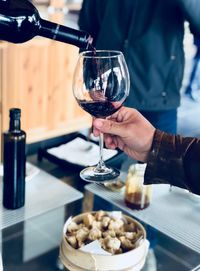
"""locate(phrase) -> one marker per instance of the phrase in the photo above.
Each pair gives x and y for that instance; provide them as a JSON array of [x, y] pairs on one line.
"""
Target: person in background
[[150, 35], [193, 76], [170, 159]]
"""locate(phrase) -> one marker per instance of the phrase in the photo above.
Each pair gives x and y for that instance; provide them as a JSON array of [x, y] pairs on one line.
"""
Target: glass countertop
[[34, 243]]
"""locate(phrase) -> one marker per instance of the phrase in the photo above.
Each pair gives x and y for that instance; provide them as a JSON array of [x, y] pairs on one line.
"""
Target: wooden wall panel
[[37, 77], [26, 88]]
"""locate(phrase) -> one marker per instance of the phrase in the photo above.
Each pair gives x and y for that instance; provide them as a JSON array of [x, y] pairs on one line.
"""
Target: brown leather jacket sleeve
[[174, 160]]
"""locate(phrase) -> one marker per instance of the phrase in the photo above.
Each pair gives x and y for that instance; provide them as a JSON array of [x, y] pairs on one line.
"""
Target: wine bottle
[[14, 160], [20, 21]]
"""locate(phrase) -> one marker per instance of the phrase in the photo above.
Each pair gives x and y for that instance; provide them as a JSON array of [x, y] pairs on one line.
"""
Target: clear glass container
[[137, 195]]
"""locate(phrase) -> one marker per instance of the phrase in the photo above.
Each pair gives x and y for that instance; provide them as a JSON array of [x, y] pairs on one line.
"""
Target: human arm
[[127, 130], [170, 159], [175, 160]]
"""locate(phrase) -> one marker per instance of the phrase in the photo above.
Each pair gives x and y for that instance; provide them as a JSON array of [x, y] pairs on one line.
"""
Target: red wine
[[14, 160], [99, 109], [20, 21]]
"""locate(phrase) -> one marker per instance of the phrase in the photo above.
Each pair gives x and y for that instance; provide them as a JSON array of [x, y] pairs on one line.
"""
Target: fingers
[[107, 126], [96, 132], [109, 140]]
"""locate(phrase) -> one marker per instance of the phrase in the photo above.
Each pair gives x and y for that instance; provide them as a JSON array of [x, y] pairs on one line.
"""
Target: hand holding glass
[[101, 85]]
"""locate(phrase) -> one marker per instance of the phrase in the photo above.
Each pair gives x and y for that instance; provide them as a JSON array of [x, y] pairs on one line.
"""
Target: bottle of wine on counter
[[20, 21], [14, 162]]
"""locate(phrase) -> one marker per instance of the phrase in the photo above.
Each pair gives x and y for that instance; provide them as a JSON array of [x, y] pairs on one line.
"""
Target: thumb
[[108, 126]]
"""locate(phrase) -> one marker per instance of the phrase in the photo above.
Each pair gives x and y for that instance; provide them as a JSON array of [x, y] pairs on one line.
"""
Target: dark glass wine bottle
[[20, 21], [14, 160]]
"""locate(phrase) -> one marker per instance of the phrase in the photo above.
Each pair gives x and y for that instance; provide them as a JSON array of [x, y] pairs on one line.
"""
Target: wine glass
[[100, 85]]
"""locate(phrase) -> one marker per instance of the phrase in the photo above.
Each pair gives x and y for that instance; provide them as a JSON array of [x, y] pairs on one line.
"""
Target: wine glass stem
[[100, 166]]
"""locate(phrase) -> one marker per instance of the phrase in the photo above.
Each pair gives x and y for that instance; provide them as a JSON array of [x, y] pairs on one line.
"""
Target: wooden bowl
[[78, 260]]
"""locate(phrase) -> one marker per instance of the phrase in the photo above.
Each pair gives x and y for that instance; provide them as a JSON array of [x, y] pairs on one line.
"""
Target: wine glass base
[[90, 174]]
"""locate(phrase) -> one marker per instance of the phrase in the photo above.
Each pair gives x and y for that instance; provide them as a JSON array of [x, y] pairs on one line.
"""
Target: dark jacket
[[150, 34], [174, 160]]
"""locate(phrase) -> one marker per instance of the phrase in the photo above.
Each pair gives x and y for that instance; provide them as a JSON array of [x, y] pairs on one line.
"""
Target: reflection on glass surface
[[37, 240], [34, 244], [165, 253]]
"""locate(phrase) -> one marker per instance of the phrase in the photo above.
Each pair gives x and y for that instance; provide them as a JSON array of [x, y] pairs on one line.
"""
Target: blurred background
[[37, 77]]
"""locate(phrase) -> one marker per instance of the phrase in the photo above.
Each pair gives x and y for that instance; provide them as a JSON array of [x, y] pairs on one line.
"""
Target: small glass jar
[[137, 195]]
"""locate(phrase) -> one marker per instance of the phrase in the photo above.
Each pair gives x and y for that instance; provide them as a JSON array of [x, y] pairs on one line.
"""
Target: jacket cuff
[[165, 161]]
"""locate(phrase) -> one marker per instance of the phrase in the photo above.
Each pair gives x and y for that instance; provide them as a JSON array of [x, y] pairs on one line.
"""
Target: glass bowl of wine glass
[[101, 85]]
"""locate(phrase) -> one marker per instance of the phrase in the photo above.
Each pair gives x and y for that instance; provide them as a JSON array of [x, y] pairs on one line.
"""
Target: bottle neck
[[65, 34], [15, 125]]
